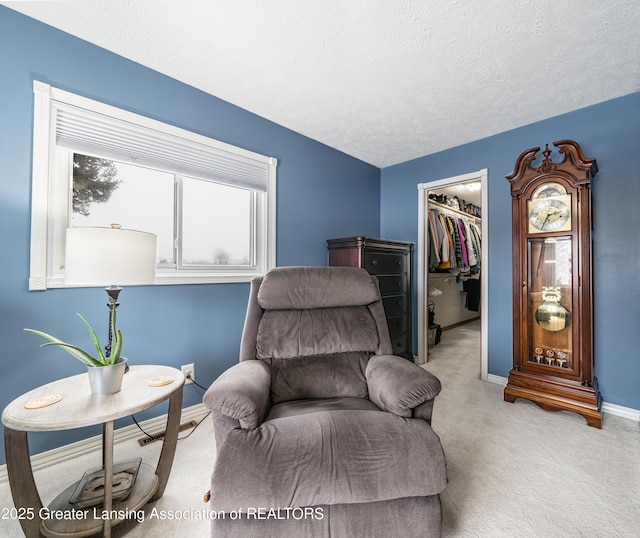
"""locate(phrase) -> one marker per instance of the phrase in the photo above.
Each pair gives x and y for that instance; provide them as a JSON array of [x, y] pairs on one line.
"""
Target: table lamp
[[110, 257]]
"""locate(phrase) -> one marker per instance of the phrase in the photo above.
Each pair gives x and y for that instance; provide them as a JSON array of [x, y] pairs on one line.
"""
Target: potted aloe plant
[[105, 370]]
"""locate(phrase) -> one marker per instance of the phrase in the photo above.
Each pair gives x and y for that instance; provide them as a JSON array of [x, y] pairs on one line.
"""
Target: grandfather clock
[[552, 293]]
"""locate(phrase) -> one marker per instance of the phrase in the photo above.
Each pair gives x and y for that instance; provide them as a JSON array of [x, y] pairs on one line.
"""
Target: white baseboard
[[497, 379], [609, 408], [620, 411], [74, 450]]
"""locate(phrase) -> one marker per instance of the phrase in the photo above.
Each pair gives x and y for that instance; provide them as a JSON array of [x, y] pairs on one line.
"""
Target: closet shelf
[[454, 211]]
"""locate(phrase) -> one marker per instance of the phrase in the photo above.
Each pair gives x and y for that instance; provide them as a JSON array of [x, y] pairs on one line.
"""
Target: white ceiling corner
[[385, 81]]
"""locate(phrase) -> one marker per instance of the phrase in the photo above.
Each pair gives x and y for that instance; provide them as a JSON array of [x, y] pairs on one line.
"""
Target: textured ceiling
[[385, 81]]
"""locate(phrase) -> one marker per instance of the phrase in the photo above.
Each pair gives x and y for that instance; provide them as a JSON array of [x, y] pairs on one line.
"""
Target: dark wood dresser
[[391, 262]]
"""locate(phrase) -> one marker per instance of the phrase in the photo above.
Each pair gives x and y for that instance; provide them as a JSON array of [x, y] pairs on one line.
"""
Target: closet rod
[[454, 211]]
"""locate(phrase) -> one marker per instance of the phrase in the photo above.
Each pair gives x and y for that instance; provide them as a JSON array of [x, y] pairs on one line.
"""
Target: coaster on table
[[44, 401], [161, 381]]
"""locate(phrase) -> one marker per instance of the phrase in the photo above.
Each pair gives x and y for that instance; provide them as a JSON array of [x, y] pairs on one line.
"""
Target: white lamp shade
[[110, 256]]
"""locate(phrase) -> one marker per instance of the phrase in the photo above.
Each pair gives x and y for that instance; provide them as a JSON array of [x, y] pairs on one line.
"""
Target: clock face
[[549, 215]]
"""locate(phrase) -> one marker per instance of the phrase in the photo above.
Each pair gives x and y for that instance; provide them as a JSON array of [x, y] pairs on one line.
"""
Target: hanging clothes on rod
[[455, 241]]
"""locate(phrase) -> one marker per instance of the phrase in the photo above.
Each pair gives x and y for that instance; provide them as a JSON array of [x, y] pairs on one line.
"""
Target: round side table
[[76, 409]]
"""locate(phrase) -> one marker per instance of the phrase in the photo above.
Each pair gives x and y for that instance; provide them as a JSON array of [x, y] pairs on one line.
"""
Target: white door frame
[[423, 252]]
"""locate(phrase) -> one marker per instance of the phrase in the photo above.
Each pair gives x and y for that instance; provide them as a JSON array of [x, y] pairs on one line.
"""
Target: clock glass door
[[550, 303]]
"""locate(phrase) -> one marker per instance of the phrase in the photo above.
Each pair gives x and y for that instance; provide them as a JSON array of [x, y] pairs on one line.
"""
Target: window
[[211, 205]]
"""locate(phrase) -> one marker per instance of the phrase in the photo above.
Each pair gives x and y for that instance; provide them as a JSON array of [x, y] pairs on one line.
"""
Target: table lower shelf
[[65, 520]]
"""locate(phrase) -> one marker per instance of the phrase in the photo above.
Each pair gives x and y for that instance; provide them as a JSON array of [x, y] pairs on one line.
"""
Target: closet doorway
[[459, 186]]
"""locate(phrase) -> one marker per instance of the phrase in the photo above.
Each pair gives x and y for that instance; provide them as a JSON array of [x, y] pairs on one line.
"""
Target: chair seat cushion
[[332, 451], [303, 407]]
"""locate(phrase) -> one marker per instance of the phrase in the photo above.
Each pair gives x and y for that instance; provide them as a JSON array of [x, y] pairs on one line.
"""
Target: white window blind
[[94, 133], [69, 122]]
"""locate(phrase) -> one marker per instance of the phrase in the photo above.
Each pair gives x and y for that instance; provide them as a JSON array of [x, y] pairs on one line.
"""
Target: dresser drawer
[[395, 305], [393, 285], [397, 325], [378, 263], [400, 345]]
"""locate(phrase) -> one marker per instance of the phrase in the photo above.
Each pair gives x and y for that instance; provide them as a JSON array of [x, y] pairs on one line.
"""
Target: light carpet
[[514, 469], [517, 470]]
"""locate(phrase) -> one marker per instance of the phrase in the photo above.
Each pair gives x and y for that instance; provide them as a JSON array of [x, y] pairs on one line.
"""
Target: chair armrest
[[398, 386], [242, 393]]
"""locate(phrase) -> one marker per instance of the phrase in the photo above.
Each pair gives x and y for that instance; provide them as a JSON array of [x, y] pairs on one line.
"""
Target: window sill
[[39, 284]]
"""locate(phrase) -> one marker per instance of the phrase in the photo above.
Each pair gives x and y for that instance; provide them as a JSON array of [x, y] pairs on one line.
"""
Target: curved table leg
[[169, 445], [23, 486]]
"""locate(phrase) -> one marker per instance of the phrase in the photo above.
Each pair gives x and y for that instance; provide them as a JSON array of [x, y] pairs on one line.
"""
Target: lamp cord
[[194, 382]]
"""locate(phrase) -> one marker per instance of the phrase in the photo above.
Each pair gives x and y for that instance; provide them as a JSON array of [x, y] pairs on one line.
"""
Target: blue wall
[[609, 132], [322, 193]]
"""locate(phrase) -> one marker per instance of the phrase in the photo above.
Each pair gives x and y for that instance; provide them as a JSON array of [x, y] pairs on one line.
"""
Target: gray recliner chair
[[320, 431]]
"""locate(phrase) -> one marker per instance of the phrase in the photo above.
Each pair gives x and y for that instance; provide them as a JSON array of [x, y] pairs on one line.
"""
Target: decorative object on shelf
[[113, 257], [552, 284], [90, 490]]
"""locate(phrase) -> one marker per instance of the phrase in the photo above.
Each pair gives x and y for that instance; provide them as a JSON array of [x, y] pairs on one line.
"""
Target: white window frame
[[50, 202]]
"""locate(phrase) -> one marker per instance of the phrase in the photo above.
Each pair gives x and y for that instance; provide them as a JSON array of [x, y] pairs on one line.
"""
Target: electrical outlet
[[188, 370]]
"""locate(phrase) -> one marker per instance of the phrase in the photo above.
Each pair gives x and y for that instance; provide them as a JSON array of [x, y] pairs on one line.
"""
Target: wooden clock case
[[539, 374]]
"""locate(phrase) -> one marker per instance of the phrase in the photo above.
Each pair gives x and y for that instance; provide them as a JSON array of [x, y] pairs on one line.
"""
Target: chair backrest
[[317, 328]]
